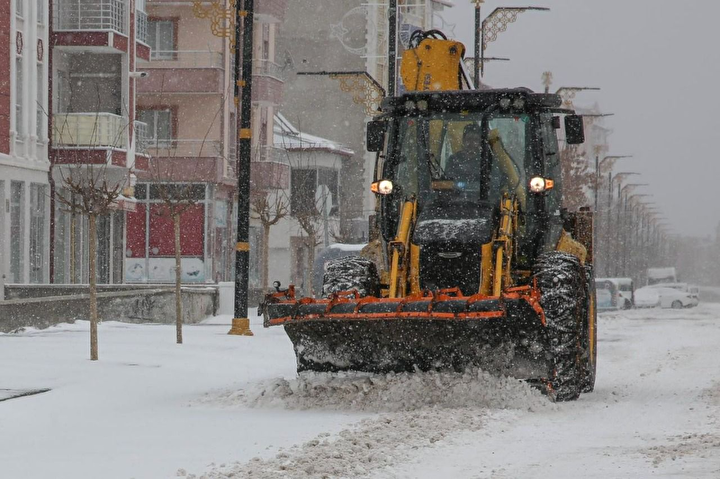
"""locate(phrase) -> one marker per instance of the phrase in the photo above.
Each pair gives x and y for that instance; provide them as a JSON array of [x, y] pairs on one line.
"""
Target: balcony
[[182, 148], [269, 69], [183, 72], [270, 168], [270, 11], [89, 130], [268, 79], [94, 15], [141, 139], [185, 59]]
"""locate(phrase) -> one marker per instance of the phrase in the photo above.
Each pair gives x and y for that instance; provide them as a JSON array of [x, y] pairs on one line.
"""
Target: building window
[[17, 231], [265, 41], [18, 96], [311, 188], [19, 7], [37, 233], [41, 11], [39, 127], [159, 127], [161, 38]]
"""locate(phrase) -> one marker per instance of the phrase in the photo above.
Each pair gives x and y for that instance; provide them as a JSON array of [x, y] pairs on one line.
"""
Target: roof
[[290, 138]]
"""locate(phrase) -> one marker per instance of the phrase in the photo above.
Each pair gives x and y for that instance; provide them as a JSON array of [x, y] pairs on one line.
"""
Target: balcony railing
[[90, 130], [141, 26], [141, 139], [269, 69], [91, 15], [185, 59], [184, 148]]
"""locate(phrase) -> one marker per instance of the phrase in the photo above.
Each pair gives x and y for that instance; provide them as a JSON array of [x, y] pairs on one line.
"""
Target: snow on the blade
[[420, 409], [389, 392]]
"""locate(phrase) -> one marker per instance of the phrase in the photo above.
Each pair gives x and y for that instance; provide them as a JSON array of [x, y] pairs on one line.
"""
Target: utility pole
[[243, 88], [392, 48], [478, 33]]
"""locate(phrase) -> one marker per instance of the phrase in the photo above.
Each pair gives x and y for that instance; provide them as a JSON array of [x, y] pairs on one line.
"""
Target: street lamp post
[[622, 223], [598, 166], [478, 33], [243, 95], [494, 24]]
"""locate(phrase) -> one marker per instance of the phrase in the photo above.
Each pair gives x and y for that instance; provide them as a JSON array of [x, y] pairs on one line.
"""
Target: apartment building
[[97, 48], [186, 102], [345, 36], [24, 165]]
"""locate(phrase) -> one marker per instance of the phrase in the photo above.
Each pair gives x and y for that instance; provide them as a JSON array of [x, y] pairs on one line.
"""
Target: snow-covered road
[[221, 405]]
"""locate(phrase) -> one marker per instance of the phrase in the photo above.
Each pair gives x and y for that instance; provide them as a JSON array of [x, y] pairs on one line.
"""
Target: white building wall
[[27, 162]]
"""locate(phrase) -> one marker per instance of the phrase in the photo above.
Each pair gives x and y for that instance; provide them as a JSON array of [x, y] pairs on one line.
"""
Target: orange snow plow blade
[[432, 331]]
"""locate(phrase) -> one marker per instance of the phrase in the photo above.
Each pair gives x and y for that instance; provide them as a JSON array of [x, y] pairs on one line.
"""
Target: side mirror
[[574, 130], [375, 138]]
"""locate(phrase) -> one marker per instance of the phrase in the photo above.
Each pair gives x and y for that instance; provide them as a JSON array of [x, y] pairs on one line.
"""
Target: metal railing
[[184, 148], [185, 59], [90, 130], [269, 69], [141, 27], [141, 139], [90, 15]]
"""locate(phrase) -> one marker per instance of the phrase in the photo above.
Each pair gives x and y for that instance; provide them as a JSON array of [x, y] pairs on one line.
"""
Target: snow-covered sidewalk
[[222, 406]]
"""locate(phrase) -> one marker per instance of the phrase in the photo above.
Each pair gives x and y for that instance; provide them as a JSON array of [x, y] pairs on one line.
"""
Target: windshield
[[461, 157]]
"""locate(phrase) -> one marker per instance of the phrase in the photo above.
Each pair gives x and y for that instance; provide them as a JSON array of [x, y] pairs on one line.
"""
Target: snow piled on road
[[420, 409], [390, 392]]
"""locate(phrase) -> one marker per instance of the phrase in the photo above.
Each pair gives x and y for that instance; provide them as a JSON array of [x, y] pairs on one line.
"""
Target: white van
[[615, 293]]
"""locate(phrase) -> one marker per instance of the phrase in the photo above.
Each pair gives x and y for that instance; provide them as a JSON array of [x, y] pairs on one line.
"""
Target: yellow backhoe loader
[[476, 262]]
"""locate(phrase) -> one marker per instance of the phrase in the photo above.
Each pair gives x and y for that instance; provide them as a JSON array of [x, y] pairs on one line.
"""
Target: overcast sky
[[658, 64]]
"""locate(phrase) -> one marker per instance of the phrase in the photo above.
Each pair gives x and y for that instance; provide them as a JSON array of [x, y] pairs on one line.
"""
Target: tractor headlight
[[505, 103], [519, 104], [540, 185], [382, 187]]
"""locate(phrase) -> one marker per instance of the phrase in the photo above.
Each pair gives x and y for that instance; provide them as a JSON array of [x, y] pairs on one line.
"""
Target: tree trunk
[[178, 276], [265, 257], [92, 254]]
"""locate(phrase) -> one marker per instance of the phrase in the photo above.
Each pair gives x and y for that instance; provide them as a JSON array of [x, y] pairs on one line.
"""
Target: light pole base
[[240, 327]]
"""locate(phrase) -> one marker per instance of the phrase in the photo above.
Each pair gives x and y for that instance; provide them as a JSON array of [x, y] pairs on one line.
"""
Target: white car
[[666, 298], [647, 298]]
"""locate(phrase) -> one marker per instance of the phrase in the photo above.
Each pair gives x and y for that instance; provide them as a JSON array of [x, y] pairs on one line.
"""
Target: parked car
[[694, 291], [621, 291], [647, 298], [668, 297]]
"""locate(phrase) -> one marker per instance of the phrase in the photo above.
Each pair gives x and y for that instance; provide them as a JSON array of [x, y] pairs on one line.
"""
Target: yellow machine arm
[[434, 65]]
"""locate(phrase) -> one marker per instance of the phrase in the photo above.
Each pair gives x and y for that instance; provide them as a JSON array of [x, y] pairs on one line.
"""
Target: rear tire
[[351, 273], [677, 304], [589, 341], [564, 299]]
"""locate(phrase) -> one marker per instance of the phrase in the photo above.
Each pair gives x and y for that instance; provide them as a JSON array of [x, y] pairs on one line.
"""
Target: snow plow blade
[[504, 335]]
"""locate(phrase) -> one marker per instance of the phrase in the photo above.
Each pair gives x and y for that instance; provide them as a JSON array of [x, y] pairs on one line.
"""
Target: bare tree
[[177, 196], [269, 210], [577, 178], [89, 192]]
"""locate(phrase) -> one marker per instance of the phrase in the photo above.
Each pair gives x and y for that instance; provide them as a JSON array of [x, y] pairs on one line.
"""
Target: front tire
[[677, 304], [565, 299]]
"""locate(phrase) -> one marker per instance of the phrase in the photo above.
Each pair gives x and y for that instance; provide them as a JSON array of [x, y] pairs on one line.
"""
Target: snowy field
[[225, 406]]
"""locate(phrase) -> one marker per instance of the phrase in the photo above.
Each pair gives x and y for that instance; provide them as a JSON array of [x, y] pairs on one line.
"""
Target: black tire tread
[[351, 273], [561, 279]]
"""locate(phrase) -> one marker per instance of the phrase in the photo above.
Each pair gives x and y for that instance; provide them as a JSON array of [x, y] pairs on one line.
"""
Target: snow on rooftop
[[288, 137]]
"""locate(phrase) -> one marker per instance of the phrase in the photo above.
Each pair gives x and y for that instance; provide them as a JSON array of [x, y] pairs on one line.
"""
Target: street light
[[493, 25], [567, 93]]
